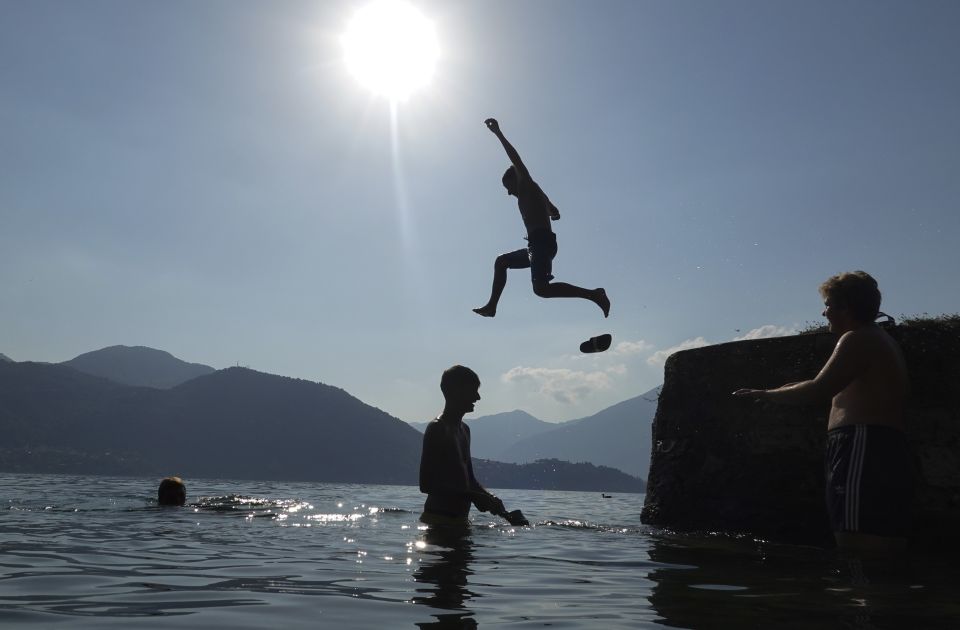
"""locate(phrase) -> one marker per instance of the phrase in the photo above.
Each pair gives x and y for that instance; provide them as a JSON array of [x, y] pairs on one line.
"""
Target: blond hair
[[853, 290]]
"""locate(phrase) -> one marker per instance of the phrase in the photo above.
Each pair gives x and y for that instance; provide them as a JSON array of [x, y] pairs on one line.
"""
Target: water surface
[[95, 552]]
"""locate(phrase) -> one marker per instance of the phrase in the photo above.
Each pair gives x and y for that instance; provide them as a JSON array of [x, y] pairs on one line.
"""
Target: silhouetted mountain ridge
[[554, 474], [490, 434], [618, 436], [138, 365], [234, 423]]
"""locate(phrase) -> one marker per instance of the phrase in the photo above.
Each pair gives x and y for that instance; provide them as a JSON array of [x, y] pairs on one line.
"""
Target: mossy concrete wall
[[727, 464]]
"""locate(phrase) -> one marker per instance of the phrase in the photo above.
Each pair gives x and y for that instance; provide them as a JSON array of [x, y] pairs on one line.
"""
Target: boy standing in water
[[537, 211], [869, 465], [446, 472]]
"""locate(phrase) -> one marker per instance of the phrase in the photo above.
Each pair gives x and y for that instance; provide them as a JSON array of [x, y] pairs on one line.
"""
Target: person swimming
[[172, 491]]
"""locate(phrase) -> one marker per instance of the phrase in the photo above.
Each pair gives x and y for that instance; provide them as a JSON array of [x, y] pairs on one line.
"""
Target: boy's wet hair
[[457, 376], [853, 290], [172, 491]]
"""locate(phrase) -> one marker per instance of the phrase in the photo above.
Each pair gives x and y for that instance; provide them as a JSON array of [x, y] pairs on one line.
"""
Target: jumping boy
[[537, 211]]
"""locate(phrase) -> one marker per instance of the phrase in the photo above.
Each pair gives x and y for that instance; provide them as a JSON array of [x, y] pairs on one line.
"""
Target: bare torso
[[534, 206], [445, 470], [876, 395]]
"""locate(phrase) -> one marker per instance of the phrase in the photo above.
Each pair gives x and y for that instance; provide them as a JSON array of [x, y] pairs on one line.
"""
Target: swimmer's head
[[172, 491], [853, 294], [461, 388], [509, 180]]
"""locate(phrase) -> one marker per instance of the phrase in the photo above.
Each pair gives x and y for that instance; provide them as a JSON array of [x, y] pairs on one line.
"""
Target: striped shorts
[[870, 484]]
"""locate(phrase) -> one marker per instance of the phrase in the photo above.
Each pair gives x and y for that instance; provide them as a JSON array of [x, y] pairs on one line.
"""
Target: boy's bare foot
[[601, 300], [486, 311]]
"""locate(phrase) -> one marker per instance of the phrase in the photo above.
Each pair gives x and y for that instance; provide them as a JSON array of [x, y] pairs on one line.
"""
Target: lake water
[[95, 552]]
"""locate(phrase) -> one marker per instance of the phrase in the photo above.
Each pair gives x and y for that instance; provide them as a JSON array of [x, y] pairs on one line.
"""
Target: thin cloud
[[766, 331], [660, 356], [564, 385], [619, 369], [630, 348]]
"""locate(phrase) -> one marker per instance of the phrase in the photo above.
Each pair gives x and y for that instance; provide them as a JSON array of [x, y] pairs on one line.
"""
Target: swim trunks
[[869, 475], [538, 255]]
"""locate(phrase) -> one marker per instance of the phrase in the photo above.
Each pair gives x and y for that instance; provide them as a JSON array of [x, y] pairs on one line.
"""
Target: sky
[[208, 178]]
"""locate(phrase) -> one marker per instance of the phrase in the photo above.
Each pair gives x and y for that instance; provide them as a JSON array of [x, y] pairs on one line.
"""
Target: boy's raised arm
[[494, 126]]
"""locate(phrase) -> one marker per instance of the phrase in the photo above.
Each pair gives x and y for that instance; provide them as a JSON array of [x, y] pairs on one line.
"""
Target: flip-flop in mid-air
[[596, 344]]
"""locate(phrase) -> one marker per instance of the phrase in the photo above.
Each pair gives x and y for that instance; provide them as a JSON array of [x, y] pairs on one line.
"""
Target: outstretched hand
[[755, 394], [492, 125], [489, 503]]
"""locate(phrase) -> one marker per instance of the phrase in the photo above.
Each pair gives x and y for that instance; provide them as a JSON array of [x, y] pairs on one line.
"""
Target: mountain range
[[135, 365], [138, 365], [618, 436], [233, 423]]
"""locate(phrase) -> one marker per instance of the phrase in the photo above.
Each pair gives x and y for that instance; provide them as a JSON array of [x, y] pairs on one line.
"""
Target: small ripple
[[587, 525]]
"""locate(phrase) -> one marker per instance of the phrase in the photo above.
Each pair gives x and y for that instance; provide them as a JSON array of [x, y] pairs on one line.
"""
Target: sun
[[391, 48]]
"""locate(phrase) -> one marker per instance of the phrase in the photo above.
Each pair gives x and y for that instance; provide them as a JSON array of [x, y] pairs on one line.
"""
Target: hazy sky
[[205, 177]]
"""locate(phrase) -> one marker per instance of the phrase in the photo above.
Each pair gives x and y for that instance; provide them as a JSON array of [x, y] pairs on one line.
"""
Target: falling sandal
[[596, 344]]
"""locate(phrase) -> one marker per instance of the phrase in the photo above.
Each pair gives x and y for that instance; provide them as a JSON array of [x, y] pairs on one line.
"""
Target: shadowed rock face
[[721, 463]]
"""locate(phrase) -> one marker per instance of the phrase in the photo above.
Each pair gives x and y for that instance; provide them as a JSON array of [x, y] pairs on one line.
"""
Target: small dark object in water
[[172, 491], [515, 518]]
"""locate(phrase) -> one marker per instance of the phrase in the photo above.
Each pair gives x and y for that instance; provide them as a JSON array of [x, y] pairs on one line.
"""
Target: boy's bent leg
[[513, 260], [564, 290], [543, 248]]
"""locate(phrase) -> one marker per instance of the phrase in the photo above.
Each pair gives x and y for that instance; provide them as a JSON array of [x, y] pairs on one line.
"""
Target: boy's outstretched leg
[[514, 260], [564, 290]]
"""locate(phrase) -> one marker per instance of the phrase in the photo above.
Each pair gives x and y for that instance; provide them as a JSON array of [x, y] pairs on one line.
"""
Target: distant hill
[[618, 436], [138, 365], [4, 357], [56, 419], [553, 474], [234, 423], [240, 420], [489, 435]]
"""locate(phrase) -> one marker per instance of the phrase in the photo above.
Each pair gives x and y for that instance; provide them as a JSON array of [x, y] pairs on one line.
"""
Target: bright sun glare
[[391, 48]]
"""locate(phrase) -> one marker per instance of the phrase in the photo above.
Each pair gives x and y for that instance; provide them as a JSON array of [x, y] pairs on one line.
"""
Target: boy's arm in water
[[494, 126], [849, 360], [482, 499]]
